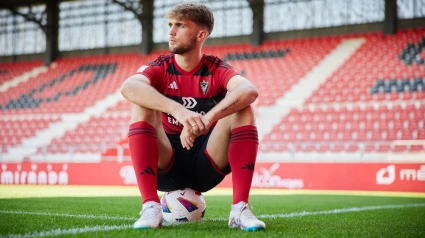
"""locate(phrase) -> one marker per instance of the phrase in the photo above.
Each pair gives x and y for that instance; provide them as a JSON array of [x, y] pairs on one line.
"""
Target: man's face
[[182, 36]]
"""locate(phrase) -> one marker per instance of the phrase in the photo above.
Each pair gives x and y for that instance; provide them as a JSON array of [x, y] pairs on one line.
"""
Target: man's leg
[[150, 150], [234, 141]]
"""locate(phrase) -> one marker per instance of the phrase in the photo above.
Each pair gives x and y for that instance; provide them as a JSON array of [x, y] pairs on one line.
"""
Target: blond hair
[[200, 14]]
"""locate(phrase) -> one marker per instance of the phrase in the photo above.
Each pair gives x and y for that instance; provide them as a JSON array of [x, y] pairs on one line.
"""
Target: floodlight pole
[[52, 32], [146, 19], [390, 21], [257, 7]]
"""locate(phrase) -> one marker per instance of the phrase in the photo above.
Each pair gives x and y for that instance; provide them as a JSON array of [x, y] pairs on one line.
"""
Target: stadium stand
[[68, 86], [275, 66], [9, 71], [385, 68], [376, 98], [13, 131], [368, 124]]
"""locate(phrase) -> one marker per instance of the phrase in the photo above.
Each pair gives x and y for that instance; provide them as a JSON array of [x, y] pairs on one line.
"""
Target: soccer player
[[191, 121]]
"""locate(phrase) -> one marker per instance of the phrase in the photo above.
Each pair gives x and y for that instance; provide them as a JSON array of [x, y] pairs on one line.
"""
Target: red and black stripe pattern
[[161, 60], [145, 130], [245, 133]]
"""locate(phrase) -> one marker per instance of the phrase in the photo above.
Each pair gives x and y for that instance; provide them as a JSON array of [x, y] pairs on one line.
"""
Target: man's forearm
[[236, 100], [142, 94]]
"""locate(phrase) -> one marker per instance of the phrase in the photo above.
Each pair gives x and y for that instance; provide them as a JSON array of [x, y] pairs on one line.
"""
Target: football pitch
[[286, 214]]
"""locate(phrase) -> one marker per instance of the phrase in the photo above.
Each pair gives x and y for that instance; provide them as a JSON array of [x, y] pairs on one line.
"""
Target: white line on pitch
[[72, 231], [58, 232], [342, 210], [104, 217], [329, 212]]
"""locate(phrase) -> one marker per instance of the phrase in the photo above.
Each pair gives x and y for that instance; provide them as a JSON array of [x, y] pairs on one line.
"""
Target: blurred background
[[341, 82]]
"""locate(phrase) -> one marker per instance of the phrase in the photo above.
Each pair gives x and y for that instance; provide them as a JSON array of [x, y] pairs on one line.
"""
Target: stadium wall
[[400, 177]]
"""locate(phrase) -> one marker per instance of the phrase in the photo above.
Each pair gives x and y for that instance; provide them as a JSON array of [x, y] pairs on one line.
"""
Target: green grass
[[53, 216]]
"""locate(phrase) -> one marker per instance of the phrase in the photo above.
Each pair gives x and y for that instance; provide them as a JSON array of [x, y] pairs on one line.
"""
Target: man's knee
[[150, 116], [243, 117]]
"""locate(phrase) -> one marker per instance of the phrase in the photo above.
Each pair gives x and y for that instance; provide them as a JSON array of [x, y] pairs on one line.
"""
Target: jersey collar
[[193, 71]]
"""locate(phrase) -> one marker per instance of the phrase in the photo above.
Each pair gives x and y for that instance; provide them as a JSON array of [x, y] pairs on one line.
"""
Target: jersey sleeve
[[153, 72], [225, 73]]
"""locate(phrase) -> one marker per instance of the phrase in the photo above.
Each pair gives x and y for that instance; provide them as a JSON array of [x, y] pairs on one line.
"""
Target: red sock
[[242, 155], [144, 152]]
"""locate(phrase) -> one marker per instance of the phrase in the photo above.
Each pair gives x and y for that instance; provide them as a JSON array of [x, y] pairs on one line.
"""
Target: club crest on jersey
[[204, 86]]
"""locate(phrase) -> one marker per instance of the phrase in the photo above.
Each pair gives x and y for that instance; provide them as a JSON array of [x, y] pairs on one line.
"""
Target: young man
[[185, 131]]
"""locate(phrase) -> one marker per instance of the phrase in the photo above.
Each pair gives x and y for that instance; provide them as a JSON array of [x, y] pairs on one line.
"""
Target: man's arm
[[241, 94], [138, 90]]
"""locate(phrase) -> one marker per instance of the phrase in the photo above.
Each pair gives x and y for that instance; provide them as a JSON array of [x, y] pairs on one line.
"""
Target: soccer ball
[[182, 206]]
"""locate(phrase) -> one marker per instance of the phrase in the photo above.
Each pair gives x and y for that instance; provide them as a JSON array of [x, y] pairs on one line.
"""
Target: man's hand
[[194, 124], [197, 131]]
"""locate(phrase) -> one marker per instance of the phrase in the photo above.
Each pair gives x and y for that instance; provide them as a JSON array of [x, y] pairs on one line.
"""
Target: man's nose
[[172, 31]]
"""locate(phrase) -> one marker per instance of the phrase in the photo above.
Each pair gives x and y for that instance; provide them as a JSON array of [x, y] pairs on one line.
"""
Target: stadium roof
[[24, 3]]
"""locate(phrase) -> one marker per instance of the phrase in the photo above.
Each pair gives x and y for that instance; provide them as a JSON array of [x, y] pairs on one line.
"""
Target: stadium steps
[[24, 77], [56, 130], [295, 97]]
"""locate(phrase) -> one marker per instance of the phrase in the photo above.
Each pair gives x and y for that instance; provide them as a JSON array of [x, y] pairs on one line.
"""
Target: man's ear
[[202, 35]]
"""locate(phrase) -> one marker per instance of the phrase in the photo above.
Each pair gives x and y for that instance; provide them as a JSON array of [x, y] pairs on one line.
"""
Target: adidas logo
[[148, 170], [249, 166], [173, 85]]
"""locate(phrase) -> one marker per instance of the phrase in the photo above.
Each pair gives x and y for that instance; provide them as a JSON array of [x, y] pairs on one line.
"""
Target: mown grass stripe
[[342, 210], [329, 212], [58, 232], [103, 217], [72, 231]]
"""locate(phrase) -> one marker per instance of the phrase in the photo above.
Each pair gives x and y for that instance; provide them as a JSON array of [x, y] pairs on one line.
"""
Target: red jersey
[[198, 90]]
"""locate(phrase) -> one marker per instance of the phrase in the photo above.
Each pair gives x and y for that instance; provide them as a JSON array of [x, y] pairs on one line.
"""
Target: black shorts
[[192, 168]]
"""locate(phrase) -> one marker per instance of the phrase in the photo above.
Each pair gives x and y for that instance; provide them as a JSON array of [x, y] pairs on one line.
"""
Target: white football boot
[[150, 216], [242, 217]]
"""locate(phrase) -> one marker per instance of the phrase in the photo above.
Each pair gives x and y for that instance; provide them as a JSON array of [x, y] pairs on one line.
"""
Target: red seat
[[352, 148], [337, 148], [400, 148], [416, 148], [324, 148], [370, 148], [384, 148]]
